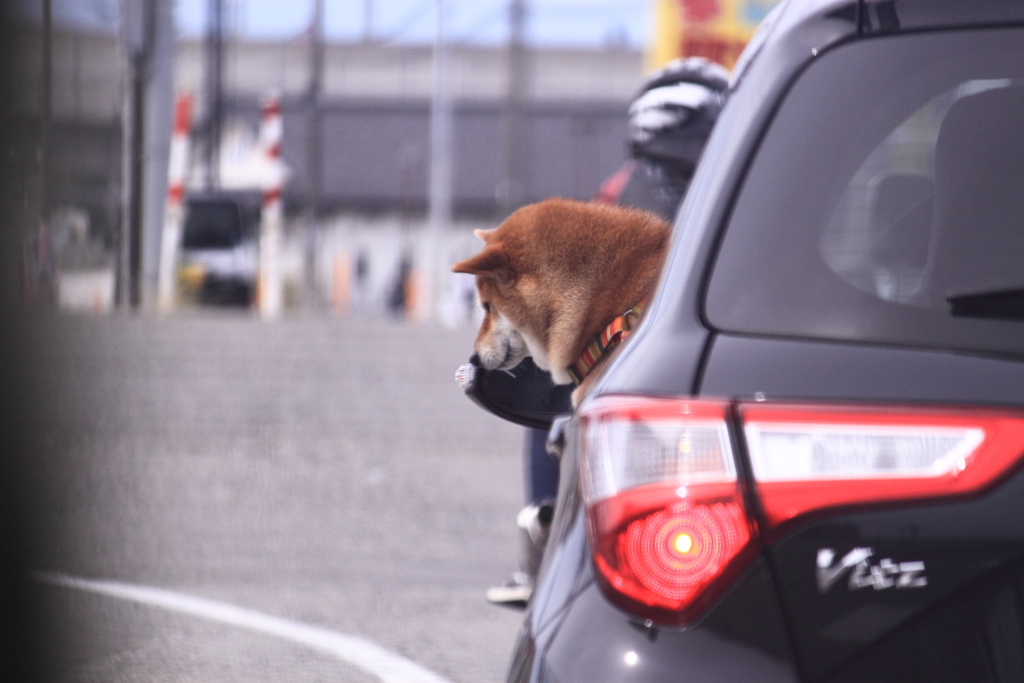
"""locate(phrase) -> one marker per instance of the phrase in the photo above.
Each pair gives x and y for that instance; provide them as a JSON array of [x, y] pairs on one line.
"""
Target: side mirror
[[524, 395]]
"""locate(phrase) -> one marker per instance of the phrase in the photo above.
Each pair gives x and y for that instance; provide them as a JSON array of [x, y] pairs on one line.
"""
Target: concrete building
[[376, 110], [402, 72], [376, 101]]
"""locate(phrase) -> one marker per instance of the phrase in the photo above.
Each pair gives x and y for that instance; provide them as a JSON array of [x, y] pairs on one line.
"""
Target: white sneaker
[[515, 592]]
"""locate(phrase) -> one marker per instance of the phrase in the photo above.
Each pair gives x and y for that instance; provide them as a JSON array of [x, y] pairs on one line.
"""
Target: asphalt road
[[319, 470]]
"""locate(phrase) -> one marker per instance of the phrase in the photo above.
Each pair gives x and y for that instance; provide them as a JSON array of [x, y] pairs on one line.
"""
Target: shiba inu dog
[[556, 278]]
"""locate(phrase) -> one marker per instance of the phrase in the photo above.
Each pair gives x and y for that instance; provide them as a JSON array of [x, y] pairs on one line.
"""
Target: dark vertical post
[[214, 91], [130, 44], [45, 118], [314, 149], [140, 69], [512, 188], [136, 176], [427, 278], [138, 39], [441, 114]]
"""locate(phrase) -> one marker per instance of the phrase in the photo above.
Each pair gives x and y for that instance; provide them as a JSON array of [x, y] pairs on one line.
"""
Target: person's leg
[[540, 469], [540, 487]]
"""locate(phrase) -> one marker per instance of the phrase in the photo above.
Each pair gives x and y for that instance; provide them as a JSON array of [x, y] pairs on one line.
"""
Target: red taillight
[[667, 520], [673, 549], [665, 510], [810, 458]]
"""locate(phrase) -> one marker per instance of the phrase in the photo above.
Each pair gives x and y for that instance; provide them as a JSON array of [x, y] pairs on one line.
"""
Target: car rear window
[[886, 201], [212, 225]]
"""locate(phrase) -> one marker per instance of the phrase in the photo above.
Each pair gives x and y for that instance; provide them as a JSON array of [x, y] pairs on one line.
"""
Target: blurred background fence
[[403, 126]]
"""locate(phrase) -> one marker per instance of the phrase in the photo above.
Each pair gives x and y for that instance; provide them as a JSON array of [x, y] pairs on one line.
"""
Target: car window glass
[[212, 225], [886, 201], [880, 234]]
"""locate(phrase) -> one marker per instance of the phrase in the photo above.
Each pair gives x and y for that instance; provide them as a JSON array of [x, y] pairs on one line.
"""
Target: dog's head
[[507, 334], [554, 274]]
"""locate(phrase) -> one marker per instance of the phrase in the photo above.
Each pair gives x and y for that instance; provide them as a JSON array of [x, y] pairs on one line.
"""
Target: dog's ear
[[491, 262], [485, 235]]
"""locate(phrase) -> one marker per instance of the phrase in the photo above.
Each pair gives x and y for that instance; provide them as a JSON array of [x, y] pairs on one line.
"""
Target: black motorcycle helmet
[[670, 120]]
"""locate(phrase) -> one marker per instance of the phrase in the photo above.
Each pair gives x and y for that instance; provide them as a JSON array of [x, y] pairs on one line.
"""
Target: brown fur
[[557, 273]]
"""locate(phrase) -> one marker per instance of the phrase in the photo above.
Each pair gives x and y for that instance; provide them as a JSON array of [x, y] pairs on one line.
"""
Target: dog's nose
[[475, 359]]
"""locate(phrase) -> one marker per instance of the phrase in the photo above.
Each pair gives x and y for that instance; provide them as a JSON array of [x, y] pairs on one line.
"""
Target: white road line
[[363, 653]]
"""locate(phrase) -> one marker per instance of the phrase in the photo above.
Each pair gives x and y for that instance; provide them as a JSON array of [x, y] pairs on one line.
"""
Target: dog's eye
[[486, 306]]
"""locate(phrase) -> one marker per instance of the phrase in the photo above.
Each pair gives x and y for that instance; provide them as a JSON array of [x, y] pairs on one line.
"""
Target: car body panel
[[959, 544], [740, 366], [595, 641]]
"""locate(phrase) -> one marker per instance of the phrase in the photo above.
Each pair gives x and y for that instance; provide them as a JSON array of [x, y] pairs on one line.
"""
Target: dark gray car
[[805, 464]]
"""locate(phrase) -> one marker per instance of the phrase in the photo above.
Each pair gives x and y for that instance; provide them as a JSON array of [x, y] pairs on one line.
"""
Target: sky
[[566, 22], [589, 23]]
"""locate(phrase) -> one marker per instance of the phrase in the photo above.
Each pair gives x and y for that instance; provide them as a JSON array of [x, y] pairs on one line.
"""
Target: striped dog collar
[[603, 343]]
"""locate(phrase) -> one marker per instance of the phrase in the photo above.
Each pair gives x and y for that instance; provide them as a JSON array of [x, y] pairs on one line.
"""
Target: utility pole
[[138, 27], [146, 49], [45, 117], [314, 149], [441, 130], [41, 283], [214, 91], [140, 63], [511, 191], [159, 126], [440, 209]]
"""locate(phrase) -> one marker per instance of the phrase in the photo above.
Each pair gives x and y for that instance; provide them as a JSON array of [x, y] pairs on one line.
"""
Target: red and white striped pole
[[173, 212], [271, 130]]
